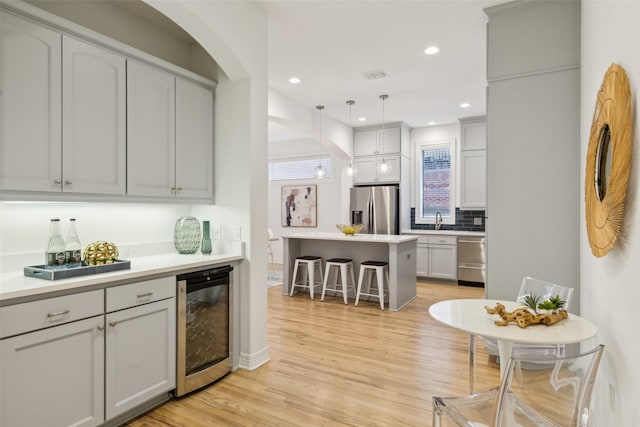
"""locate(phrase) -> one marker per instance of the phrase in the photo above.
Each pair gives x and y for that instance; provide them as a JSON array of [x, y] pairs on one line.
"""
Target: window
[[435, 182], [300, 168]]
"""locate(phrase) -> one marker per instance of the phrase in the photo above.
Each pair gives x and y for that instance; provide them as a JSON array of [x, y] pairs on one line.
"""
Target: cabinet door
[[473, 179], [389, 141], [54, 377], [422, 261], [30, 106], [94, 127], [140, 355], [394, 175], [365, 143], [473, 135], [442, 262], [194, 140], [151, 143], [366, 170]]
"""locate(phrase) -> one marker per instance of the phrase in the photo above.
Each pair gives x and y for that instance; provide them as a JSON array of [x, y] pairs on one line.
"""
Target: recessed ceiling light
[[465, 105], [294, 80], [431, 123], [362, 119], [432, 50]]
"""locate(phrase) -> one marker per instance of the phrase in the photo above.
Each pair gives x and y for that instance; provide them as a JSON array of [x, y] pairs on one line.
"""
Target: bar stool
[[310, 263], [381, 268], [344, 266]]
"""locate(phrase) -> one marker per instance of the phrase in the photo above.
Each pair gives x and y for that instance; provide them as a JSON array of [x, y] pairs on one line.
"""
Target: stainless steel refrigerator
[[376, 208]]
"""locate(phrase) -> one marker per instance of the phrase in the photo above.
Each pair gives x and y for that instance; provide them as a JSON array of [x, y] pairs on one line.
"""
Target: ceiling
[[328, 44]]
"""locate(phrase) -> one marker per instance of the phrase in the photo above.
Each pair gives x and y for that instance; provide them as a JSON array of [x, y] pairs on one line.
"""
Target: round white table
[[469, 315]]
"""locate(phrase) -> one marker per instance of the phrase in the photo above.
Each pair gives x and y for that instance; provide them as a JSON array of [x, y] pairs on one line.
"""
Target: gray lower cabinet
[[53, 376], [437, 257], [140, 344], [64, 362]]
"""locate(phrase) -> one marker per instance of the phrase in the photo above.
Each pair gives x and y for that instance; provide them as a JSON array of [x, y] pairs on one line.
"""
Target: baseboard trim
[[255, 360]]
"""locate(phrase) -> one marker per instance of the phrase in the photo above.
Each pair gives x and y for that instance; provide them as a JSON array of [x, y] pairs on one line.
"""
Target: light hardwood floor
[[334, 364]]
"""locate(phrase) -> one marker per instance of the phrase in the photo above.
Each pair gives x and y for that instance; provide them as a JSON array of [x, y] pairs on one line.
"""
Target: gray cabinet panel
[[528, 37]]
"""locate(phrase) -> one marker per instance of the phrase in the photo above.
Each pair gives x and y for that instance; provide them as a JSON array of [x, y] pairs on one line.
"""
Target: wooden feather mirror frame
[[608, 161]]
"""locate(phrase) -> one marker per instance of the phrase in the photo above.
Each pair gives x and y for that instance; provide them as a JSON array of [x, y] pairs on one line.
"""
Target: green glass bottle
[[206, 239]]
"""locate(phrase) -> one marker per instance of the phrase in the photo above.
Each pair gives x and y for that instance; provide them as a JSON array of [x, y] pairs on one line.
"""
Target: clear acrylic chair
[[542, 289], [555, 394]]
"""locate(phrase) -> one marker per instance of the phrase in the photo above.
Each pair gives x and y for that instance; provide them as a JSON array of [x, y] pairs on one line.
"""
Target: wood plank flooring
[[340, 365]]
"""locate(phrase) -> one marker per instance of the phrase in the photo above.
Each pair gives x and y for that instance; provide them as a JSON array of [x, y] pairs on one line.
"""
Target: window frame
[[419, 147], [327, 160]]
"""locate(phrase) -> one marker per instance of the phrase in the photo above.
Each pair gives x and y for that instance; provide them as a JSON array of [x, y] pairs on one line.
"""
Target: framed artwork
[[299, 204]]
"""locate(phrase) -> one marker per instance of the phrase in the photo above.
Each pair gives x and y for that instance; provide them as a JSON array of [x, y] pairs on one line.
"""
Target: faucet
[[438, 220]]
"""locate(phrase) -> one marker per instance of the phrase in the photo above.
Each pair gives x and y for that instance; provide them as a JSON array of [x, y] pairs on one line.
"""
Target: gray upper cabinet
[[514, 51], [372, 142], [30, 108], [63, 112], [473, 155], [151, 148], [170, 135], [194, 140], [85, 116], [94, 119]]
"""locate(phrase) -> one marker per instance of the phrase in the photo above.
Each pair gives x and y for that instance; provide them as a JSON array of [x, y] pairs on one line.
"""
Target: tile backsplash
[[464, 221]]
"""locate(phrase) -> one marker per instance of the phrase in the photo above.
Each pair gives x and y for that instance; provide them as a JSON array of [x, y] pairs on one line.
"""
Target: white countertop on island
[[375, 238], [16, 286]]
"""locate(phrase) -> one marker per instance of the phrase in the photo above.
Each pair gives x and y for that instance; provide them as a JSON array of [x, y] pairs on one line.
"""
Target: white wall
[[235, 34], [333, 193], [609, 285]]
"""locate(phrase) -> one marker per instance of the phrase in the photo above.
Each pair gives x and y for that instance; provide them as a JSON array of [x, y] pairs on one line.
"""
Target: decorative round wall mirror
[[603, 162], [608, 161]]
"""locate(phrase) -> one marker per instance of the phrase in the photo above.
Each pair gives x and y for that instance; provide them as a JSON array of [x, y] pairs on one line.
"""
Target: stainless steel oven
[[203, 328]]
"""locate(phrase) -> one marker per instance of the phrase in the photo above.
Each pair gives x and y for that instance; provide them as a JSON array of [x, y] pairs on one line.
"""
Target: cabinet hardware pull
[[173, 188], [100, 327], [57, 181], [179, 188], [68, 182], [113, 324], [58, 313], [148, 294]]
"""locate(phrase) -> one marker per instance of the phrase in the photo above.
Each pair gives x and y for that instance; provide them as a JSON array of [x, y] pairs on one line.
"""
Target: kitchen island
[[399, 251]]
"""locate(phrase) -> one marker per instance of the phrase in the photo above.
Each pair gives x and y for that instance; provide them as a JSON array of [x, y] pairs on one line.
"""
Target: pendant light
[[350, 170], [320, 172], [384, 168]]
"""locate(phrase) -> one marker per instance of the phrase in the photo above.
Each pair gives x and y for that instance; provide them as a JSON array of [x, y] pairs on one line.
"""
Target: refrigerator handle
[[370, 212]]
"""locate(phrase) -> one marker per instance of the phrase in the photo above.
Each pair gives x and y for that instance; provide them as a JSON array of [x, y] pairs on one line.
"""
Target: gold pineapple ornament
[[99, 253]]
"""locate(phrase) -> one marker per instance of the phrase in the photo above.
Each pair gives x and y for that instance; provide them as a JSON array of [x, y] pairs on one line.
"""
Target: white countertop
[[445, 232], [374, 238], [15, 285]]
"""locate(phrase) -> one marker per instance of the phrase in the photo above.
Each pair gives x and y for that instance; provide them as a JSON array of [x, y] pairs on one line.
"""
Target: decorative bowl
[[349, 229]]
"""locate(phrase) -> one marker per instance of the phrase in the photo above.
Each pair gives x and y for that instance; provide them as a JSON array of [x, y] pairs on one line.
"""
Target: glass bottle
[[54, 254], [73, 248], [206, 239]]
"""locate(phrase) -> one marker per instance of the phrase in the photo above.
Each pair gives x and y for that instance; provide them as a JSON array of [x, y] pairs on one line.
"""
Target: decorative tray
[[41, 272]]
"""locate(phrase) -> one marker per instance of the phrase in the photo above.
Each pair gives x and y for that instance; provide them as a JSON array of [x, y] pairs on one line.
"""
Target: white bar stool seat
[[381, 268], [308, 280], [345, 266]]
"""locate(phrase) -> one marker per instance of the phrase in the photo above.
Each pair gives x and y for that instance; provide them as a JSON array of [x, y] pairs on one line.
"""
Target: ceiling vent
[[374, 75]]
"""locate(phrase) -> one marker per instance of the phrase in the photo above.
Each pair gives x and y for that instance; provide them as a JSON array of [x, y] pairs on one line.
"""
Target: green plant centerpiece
[[532, 302]]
